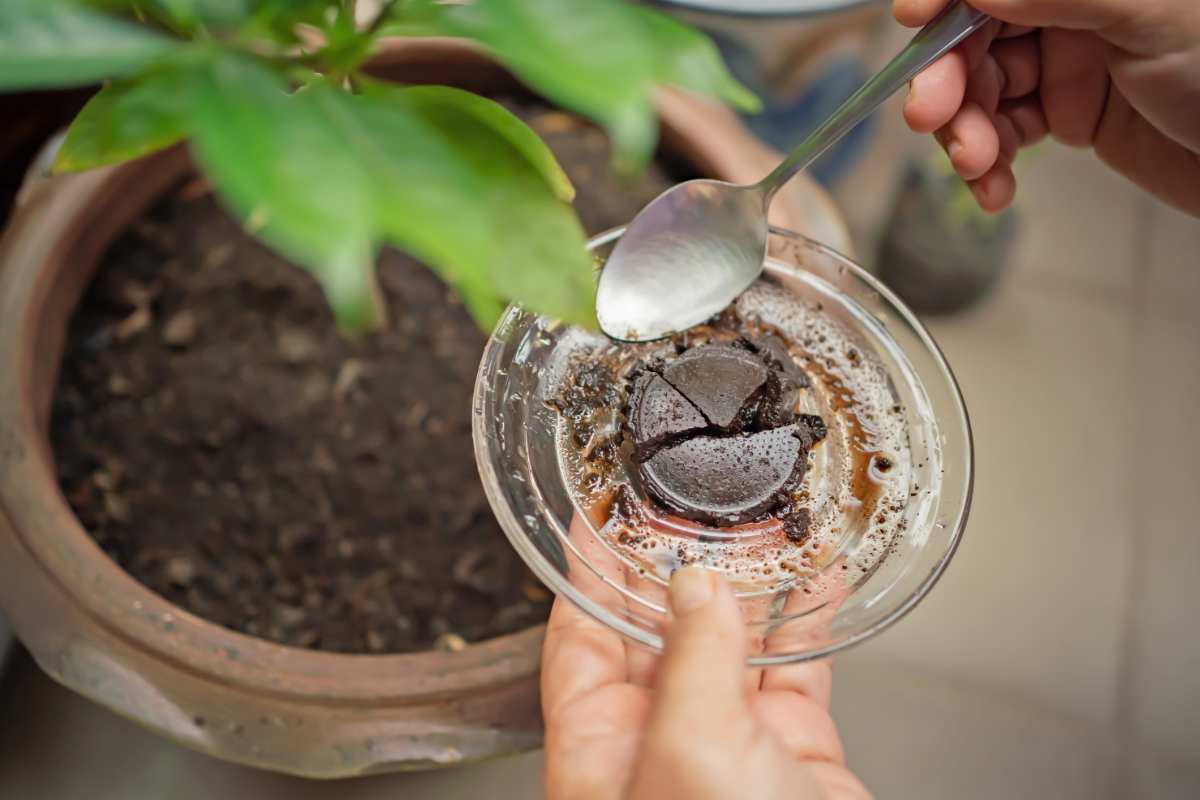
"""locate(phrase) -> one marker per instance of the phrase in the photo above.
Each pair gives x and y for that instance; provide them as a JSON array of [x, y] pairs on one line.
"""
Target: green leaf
[[508, 126], [326, 177], [601, 58], [588, 57], [280, 17], [346, 46], [127, 119], [190, 14], [54, 43], [689, 60], [532, 245], [275, 161]]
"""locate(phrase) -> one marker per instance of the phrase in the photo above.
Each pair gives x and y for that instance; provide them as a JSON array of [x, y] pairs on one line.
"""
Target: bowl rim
[[538, 563]]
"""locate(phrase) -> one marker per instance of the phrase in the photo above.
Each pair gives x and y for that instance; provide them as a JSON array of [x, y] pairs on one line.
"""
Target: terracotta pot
[[98, 631]]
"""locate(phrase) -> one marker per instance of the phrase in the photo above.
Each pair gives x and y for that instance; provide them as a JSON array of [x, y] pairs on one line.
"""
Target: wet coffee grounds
[[705, 426], [716, 434]]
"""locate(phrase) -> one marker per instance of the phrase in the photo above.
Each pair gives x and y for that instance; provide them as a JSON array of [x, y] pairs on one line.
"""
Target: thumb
[[701, 676], [1078, 14]]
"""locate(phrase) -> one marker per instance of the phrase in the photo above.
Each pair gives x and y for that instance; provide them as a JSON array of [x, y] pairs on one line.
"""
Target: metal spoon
[[700, 244]]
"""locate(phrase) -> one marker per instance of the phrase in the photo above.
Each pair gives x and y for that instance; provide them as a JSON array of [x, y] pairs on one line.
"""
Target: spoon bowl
[[700, 244], [682, 258]]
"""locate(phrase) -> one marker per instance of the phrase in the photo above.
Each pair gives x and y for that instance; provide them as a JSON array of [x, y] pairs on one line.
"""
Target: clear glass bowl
[[869, 578]]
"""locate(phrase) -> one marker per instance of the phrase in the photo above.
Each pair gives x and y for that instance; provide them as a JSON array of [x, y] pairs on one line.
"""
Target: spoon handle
[[954, 24]]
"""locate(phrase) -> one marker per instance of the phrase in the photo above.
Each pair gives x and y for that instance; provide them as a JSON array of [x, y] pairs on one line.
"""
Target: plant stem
[[380, 316]]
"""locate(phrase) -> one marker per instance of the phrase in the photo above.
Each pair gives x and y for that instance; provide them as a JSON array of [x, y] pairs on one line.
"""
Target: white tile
[[1163, 779], [910, 735], [1171, 265], [1078, 222], [1165, 668], [1034, 600]]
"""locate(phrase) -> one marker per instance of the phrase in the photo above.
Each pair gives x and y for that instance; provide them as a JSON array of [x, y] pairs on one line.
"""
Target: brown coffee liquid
[[855, 480]]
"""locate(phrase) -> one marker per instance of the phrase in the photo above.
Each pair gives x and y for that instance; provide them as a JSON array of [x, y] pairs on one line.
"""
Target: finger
[[1078, 14], [700, 678], [971, 142], [985, 84], [1010, 31], [759, 610], [1023, 14], [1074, 84], [835, 779], [803, 727], [936, 94], [976, 46], [806, 620], [1020, 62], [643, 664], [915, 13], [1027, 118], [995, 189], [1010, 139], [1019, 123], [811, 679], [580, 654]]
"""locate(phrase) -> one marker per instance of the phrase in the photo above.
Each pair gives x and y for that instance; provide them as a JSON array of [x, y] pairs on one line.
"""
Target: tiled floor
[[914, 733], [1060, 655], [1048, 507]]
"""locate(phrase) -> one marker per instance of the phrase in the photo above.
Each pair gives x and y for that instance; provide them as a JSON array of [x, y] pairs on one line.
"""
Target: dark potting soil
[[224, 445]]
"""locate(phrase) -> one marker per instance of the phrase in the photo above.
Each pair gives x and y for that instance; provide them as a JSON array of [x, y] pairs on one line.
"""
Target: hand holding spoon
[[700, 244]]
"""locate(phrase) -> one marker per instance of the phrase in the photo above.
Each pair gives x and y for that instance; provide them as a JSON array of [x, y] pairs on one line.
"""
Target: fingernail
[[954, 147], [691, 589]]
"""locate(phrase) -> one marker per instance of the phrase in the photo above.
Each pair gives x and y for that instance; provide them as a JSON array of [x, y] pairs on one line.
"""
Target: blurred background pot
[[940, 252], [97, 630]]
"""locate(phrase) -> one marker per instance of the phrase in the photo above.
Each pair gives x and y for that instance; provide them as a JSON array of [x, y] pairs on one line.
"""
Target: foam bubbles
[[858, 486]]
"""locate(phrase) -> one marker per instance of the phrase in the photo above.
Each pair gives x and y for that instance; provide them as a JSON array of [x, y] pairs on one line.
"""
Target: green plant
[[326, 164]]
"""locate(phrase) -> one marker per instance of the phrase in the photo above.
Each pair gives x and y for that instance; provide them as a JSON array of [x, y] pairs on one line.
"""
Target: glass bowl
[[868, 576]]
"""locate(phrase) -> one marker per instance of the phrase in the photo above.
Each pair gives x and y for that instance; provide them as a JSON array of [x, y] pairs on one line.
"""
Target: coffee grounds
[[716, 435]]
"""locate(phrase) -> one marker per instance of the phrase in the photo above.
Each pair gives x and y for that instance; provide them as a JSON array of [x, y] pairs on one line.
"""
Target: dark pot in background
[[940, 253]]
